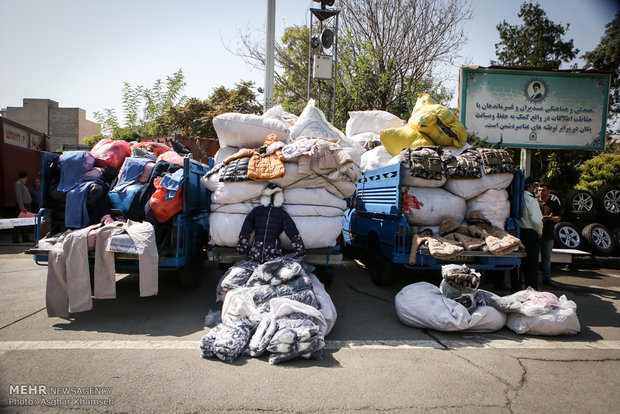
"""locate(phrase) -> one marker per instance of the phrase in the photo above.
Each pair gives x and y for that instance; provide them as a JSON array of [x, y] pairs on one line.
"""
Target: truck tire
[[580, 204], [379, 267], [191, 275], [607, 201], [599, 238], [567, 236], [325, 274]]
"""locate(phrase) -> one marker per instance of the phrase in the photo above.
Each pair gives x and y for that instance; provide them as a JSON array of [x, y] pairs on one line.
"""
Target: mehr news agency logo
[[44, 396], [535, 91]]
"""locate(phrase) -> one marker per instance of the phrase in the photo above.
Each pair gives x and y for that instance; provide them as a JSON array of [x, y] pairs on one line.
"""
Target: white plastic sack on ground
[[223, 153], [471, 187], [313, 124], [422, 305], [376, 158], [560, 321], [431, 206], [371, 121], [247, 130], [327, 307], [493, 204]]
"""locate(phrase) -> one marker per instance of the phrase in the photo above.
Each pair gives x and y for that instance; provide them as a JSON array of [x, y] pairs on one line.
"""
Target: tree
[[141, 107], [537, 43], [606, 56], [195, 117], [387, 52]]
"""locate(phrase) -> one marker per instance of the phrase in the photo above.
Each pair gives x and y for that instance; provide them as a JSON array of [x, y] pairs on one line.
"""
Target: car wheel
[[566, 236], [554, 196], [607, 201], [580, 204], [599, 238]]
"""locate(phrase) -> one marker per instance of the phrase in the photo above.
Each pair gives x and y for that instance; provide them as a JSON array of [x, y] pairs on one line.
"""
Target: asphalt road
[[133, 354]]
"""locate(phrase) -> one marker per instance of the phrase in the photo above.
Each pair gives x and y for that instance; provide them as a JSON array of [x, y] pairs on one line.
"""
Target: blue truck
[[376, 225], [181, 247]]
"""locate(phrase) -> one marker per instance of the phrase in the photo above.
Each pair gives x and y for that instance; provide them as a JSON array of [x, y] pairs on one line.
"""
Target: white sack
[[371, 121], [327, 307], [422, 305], [376, 158], [313, 124], [223, 153], [312, 196], [560, 321], [294, 179], [364, 137], [277, 112], [493, 204], [407, 179], [247, 130], [316, 232], [472, 187], [431, 206], [309, 210], [229, 192]]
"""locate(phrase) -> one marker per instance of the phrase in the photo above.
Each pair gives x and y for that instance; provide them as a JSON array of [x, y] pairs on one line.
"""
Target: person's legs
[[529, 238], [546, 247]]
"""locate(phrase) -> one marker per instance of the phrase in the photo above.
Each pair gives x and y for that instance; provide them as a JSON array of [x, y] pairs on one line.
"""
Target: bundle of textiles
[[314, 163], [454, 237], [278, 307], [459, 305]]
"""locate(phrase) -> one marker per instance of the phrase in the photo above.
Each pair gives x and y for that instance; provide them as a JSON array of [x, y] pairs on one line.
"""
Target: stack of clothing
[[313, 162], [278, 307]]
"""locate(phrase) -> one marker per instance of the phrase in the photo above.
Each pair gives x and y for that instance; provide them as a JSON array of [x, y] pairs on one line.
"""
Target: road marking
[[396, 345]]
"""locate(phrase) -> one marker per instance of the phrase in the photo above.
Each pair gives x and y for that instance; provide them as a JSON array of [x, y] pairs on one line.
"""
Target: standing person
[[35, 195], [531, 230], [23, 199], [551, 214]]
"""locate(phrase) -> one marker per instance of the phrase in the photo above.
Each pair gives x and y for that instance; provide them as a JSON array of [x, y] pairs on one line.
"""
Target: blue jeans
[[546, 246]]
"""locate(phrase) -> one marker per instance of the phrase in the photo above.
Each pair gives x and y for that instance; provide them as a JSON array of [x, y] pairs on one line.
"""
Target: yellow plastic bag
[[396, 139], [437, 122]]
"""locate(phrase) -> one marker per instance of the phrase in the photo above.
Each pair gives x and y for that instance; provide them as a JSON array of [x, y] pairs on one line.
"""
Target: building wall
[[62, 125]]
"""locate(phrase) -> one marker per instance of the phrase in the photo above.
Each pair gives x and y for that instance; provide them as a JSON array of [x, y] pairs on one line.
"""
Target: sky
[[80, 52]]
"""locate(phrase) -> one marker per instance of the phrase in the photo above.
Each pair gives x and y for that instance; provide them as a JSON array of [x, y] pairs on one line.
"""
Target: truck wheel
[[377, 264], [566, 236], [599, 238], [191, 275], [607, 201], [325, 274]]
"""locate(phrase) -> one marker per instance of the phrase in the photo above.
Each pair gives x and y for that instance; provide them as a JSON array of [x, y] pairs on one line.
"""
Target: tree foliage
[[195, 117], [599, 171], [387, 52], [537, 43], [142, 106], [606, 56]]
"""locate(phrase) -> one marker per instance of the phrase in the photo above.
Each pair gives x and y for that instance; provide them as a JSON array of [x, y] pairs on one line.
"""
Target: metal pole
[[526, 161], [335, 73], [270, 55], [309, 55]]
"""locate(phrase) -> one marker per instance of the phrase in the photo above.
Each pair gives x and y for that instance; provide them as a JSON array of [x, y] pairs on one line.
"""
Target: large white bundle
[[493, 204], [309, 210], [331, 181], [376, 158], [431, 206], [313, 124], [560, 321], [277, 112], [223, 153], [313, 197], [472, 187], [371, 121], [227, 192], [407, 179], [364, 137], [422, 305], [316, 232], [247, 130]]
